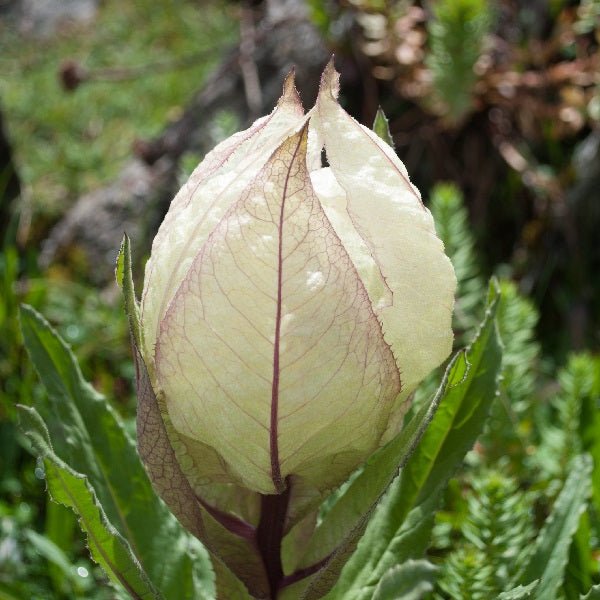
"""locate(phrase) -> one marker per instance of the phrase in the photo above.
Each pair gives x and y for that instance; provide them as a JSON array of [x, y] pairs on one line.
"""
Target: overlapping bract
[[289, 309]]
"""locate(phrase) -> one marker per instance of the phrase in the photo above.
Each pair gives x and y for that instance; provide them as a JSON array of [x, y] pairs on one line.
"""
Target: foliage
[[488, 530], [452, 225], [409, 581], [65, 144], [496, 535], [126, 524], [456, 35], [118, 510], [518, 136]]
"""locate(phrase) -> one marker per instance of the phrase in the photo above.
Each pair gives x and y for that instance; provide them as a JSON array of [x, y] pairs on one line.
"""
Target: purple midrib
[[273, 433]]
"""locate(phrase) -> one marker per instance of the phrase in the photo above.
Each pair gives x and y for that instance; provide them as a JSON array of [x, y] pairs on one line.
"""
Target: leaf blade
[[71, 489], [551, 551], [381, 127], [520, 592], [409, 581], [89, 437]]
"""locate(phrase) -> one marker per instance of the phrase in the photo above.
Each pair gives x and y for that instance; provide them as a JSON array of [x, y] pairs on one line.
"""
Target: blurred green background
[[493, 106]]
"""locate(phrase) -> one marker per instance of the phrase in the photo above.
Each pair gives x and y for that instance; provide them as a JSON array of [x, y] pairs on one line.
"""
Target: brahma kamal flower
[[288, 312]]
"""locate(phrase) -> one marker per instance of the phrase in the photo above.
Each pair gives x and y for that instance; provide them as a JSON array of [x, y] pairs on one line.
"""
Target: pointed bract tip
[[289, 82], [330, 80], [290, 93]]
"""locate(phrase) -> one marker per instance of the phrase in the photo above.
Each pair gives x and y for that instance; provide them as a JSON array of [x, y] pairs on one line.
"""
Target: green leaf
[[581, 564], [580, 381], [381, 127], [464, 405], [593, 594], [520, 592], [551, 551], [88, 436], [517, 320], [108, 548], [7, 594], [456, 34], [408, 581], [124, 277]]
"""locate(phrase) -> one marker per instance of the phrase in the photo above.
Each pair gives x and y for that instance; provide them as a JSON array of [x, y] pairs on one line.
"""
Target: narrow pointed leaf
[[452, 432], [381, 127], [408, 581], [108, 548], [551, 552], [124, 276], [88, 436]]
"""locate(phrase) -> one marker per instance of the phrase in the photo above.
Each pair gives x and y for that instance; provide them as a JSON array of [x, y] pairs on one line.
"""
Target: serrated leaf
[[88, 436], [381, 127], [520, 592], [464, 406], [108, 548], [408, 581], [551, 552]]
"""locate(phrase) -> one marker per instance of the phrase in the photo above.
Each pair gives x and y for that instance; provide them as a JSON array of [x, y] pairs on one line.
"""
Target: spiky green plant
[[510, 429], [452, 225], [495, 539], [568, 423], [456, 36]]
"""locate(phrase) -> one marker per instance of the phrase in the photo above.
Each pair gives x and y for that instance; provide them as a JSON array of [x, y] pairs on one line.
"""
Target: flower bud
[[289, 309]]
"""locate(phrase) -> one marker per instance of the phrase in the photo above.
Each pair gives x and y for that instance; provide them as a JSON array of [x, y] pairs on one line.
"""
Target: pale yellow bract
[[289, 309]]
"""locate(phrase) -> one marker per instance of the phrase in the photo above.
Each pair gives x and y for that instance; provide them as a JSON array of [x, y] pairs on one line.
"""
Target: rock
[[43, 18]]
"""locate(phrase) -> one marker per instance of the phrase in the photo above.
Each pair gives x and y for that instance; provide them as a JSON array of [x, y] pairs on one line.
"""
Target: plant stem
[[273, 511]]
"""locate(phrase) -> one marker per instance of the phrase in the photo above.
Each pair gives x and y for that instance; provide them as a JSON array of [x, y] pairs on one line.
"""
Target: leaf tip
[[330, 80], [382, 128]]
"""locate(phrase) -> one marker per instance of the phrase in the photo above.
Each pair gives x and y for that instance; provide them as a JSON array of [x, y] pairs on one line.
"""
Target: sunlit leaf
[[107, 546], [88, 436], [409, 581], [551, 552]]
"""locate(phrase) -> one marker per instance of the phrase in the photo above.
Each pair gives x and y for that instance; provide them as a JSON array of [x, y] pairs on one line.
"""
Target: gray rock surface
[[43, 18]]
